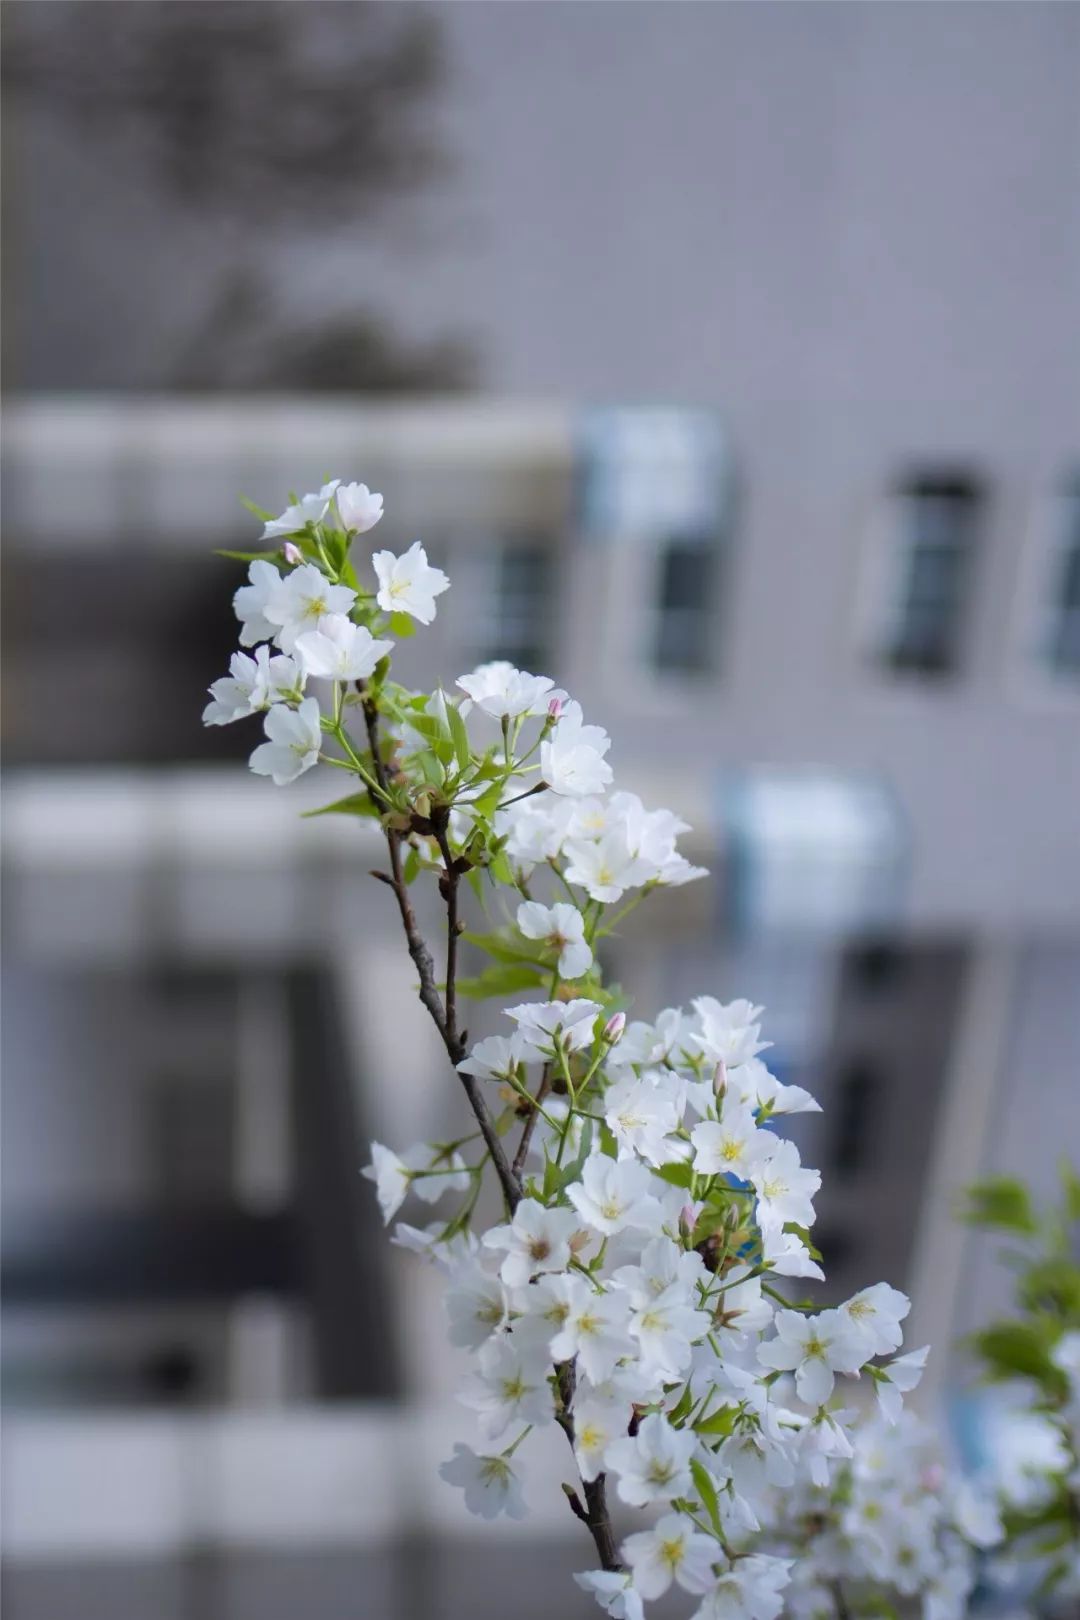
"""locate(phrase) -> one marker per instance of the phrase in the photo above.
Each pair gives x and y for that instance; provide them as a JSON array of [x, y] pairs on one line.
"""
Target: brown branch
[[595, 1512], [448, 885], [596, 1515], [530, 1124], [444, 1018]]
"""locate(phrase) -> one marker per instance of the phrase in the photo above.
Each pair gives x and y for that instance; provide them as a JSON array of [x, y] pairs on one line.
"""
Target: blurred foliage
[[266, 108], [272, 119], [1023, 1346]]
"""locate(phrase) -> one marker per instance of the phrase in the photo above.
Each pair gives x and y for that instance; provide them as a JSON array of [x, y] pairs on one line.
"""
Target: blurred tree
[[266, 116]]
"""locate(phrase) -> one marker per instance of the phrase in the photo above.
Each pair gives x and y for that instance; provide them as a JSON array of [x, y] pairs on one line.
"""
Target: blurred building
[[207, 1000], [827, 603]]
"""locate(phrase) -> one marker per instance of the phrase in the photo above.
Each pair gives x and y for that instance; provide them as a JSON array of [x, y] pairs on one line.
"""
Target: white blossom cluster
[[637, 1289], [892, 1521]]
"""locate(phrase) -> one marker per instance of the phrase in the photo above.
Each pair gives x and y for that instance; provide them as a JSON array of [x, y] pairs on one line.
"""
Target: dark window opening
[[938, 517], [519, 624], [856, 1093], [685, 631], [1063, 650]]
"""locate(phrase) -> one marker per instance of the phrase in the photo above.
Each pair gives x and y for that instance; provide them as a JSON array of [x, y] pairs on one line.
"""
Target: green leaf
[[682, 1407], [356, 804], [487, 804], [1017, 1349], [504, 948], [1070, 1182], [720, 1423], [707, 1491], [256, 511], [499, 981], [804, 1238], [1002, 1204], [462, 751], [411, 866], [676, 1175], [1052, 1286], [501, 870], [402, 625]]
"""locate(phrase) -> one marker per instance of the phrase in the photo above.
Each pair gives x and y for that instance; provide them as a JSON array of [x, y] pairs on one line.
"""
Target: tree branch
[[444, 1018], [530, 1124], [595, 1513]]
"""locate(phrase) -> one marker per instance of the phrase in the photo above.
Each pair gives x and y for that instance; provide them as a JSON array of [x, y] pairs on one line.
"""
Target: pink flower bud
[[613, 1029], [554, 708], [293, 554]]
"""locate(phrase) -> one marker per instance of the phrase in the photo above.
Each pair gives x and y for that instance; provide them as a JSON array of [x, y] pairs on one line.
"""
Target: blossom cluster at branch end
[[642, 1287]]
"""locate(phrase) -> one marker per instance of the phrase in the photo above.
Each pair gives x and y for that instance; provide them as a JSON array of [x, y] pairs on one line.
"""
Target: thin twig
[[530, 1124], [595, 1514], [425, 968]]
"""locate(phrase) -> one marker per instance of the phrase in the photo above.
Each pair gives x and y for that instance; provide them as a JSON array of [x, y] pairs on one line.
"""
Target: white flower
[[511, 1386], [671, 1551], [407, 584], [653, 1466], [497, 1057], [662, 1263], [570, 1024], [655, 1045], [572, 758], [435, 1171], [536, 1240], [593, 1329], [897, 1378], [535, 830], [358, 508], [665, 1327], [814, 1348], [787, 1255], [822, 1441], [395, 1173], [476, 1306], [250, 603], [728, 1034], [758, 1088], [563, 928], [784, 1188], [340, 650], [490, 1484], [875, 1315], [304, 597], [391, 1176], [732, 1145], [613, 1194], [251, 684], [295, 738], [501, 690], [598, 1420], [751, 1590], [640, 1114], [311, 509], [606, 868], [614, 1593], [740, 1307]]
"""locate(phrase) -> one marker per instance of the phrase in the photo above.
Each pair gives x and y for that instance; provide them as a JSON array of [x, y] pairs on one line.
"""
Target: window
[[936, 519], [1062, 635], [517, 624], [853, 1116], [683, 637]]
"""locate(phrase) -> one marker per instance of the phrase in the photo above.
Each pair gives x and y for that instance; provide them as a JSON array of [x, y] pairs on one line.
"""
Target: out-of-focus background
[[728, 359]]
